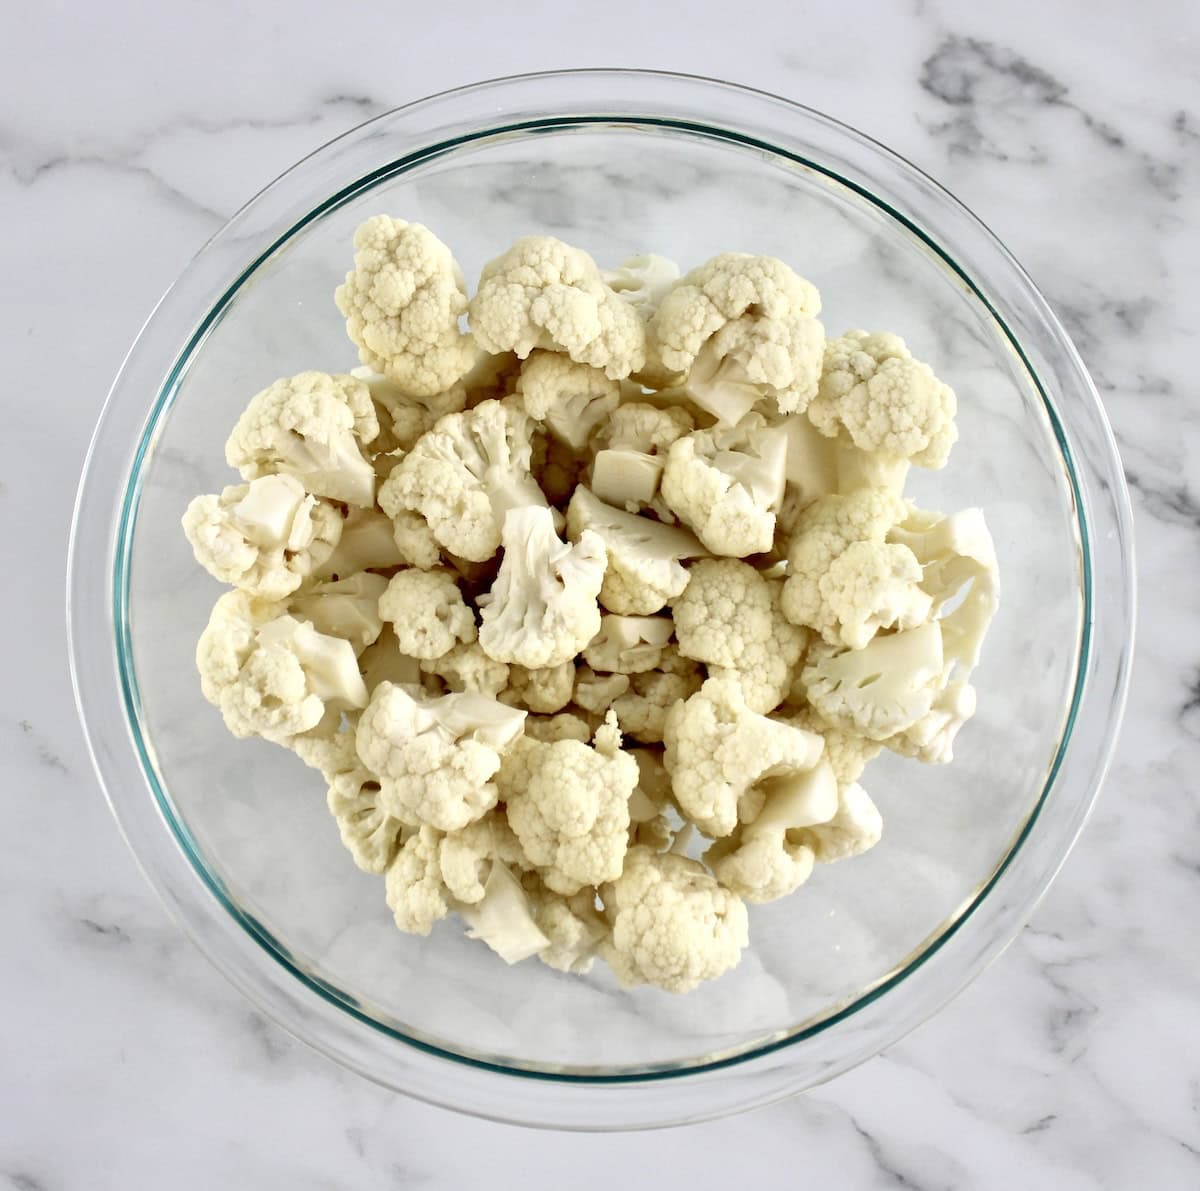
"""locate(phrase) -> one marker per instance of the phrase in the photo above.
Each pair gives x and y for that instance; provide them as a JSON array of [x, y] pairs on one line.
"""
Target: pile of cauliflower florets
[[592, 615]]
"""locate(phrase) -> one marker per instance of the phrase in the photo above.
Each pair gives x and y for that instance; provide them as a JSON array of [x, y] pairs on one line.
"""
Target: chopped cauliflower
[[628, 644], [313, 426], [265, 537], [415, 891], [598, 692], [742, 329], [673, 926], [643, 281], [365, 543], [642, 709], [884, 401], [464, 475], [542, 608], [569, 806], [544, 691], [427, 613], [545, 294], [370, 834], [644, 568], [573, 927], [402, 302], [346, 608], [465, 667], [718, 751], [564, 726], [467, 856], [571, 400], [435, 758], [727, 485]]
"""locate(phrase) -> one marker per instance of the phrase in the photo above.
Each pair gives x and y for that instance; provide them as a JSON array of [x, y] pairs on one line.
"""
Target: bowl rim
[[109, 492]]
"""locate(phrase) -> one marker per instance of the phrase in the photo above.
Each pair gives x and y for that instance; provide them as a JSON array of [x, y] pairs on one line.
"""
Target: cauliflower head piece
[[265, 537], [435, 757], [427, 613], [402, 303], [673, 925], [571, 400], [542, 609], [642, 708], [545, 294]]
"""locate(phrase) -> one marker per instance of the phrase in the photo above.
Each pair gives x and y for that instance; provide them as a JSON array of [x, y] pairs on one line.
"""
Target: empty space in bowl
[[256, 817]]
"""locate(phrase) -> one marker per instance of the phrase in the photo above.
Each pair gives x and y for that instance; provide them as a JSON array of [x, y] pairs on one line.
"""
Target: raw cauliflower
[[544, 691], [571, 400], [435, 758], [315, 427], [265, 537], [642, 709], [873, 392], [465, 667], [427, 613], [673, 925], [402, 302], [545, 294]]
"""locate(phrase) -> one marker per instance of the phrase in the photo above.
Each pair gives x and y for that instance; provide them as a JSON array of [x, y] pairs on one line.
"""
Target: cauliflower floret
[[346, 608], [572, 925], [265, 537], [845, 581], [404, 416], [435, 758], [370, 834], [466, 667], [329, 747], [570, 400], [856, 828], [771, 855], [402, 302], [366, 543], [312, 426], [272, 675], [598, 692], [742, 328], [551, 728], [627, 471], [414, 540], [673, 926], [504, 919], [464, 475], [427, 612], [569, 806], [542, 608], [642, 710], [466, 856], [415, 891], [847, 752], [639, 426], [543, 691], [881, 690], [718, 752], [643, 281], [545, 294], [556, 468], [644, 569], [628, 644], [727, 485], [885, 402]]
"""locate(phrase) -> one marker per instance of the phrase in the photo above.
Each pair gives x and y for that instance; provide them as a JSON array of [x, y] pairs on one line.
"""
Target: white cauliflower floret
[[366, 543], [427, 612], [651, 429], [466, 667], [642, 709], [628, 644], [464, 475], [542, 608], [727, 485], [467, 856], [597, 692], [545, 294], [644, 569], [313, 426], [741, 328], [719, 752], [673, 926], [881, 690], [370, 834], [346, 608], [265, 537], [551, 728], [403, 415], [572, 925], [414, 540], [954, 552], [503, 918], [543, 691], [569, 806], [435, 758], [570, 400], [329, 747], [844, 580], [771, 856], [643, 281], [627, 470], [272, 675], [856, 828], [886, 403], [416, 893], [402, 302], [847, 752]]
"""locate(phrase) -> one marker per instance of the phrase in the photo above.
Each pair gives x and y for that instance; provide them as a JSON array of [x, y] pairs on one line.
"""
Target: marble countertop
[[130, 131]]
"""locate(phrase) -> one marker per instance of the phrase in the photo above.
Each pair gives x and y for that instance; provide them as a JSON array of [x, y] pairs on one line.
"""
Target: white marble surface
[[129, 131]]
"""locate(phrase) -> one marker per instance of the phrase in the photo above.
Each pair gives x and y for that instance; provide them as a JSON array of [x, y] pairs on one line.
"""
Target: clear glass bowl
[[235, 835]]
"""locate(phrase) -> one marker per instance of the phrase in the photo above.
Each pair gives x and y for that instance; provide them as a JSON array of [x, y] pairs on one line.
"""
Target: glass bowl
[[234, 835]]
